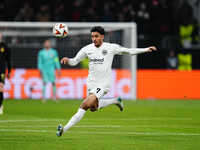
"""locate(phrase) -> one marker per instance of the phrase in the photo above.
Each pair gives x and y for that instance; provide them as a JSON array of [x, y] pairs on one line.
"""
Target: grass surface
[[144, 125]]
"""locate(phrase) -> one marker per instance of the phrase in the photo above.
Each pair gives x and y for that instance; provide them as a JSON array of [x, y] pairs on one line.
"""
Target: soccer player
[[100, 56], [48, 62], [5, 57]]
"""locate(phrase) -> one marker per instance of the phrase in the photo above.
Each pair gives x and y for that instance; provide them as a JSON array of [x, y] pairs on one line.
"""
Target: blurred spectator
[[25, 13], [161, 16], [43, 13], [184, 61], [58, 14], [76, 15], [107, 12], [91, 14], [189, 33], [186, 25], [93, 10], [184, 13], [120, 17], [195, 8], [172, 61], [130, 14], [154, 17], [142, 18], [143, 15], [195, 33], [2, 10], [185, 31]]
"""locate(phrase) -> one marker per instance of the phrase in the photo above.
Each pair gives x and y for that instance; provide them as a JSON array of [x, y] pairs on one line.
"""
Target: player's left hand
[[152, 48]]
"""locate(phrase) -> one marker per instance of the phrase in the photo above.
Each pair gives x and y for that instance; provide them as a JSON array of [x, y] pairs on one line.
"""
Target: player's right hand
[[64, 60]]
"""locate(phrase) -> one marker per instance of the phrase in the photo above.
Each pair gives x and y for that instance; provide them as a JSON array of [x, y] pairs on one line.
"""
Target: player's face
[[97, 38], [47, 44]]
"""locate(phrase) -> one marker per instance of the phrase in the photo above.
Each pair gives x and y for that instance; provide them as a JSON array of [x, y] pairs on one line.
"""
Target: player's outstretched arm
[[134, 51], [74, 61]]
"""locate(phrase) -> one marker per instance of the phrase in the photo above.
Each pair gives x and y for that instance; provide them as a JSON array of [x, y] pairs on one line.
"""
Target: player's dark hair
[[98, 29]]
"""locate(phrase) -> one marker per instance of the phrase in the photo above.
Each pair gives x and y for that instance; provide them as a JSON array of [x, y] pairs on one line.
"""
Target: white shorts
[[99, 92]]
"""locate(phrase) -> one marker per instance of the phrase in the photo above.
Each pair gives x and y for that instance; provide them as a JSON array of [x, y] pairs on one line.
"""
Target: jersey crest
[[104, 52]]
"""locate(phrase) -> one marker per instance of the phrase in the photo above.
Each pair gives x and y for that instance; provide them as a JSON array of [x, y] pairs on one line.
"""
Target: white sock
[[106, 102], [76, 118]]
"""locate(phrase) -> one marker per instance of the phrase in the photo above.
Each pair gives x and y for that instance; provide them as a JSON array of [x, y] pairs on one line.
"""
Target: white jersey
[[100, 61]]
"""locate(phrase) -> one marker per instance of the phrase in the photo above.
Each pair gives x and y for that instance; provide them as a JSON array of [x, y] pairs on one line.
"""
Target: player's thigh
[[90, 102], [98, 91]]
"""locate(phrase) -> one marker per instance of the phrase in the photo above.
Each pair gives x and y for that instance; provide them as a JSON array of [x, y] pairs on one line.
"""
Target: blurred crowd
[[164, 15]]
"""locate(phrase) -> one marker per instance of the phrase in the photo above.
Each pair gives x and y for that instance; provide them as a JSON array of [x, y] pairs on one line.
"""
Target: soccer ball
[[60, 30]]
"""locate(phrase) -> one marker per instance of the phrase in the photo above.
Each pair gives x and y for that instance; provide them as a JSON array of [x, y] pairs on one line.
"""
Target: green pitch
[[144, 125]]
